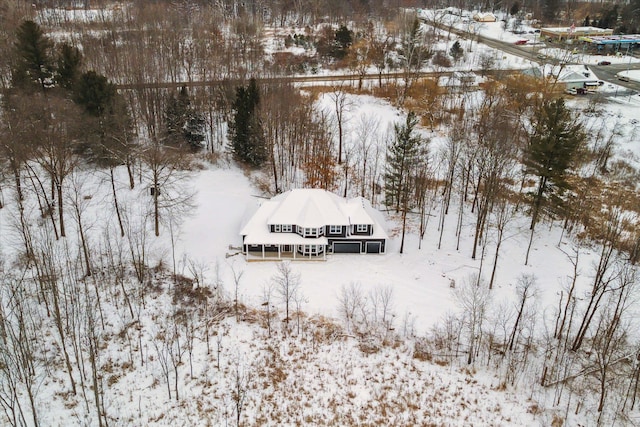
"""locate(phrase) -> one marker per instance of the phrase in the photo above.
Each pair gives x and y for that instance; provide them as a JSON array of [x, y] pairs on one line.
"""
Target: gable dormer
[[361, 229]]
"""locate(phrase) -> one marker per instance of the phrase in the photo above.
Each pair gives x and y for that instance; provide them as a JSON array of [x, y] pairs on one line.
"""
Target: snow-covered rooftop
[[308, 208]]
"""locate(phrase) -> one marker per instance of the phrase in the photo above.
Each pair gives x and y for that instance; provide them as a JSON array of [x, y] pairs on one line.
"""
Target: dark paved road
[[606, 73], [609, 73]]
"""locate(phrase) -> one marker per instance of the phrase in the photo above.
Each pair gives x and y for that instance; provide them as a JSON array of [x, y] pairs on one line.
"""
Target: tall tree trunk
[[132, 181], [16, 175], [115, 202], [404, 227], [495, 260], [526, 258], [60, 208], [85, 247], [59, 325], [156, 207], [48, 209], [538, 202]]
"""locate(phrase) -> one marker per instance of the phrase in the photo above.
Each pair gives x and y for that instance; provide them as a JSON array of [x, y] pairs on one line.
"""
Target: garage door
[[373, 247], [346, 247]]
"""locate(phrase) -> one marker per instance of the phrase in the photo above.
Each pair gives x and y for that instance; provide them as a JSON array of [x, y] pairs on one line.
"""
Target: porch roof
[[267, 238]]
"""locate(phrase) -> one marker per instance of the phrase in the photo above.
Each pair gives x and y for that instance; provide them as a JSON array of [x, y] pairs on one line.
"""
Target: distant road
[[292, 79], [604, 72], [609, 73], [273, 80]]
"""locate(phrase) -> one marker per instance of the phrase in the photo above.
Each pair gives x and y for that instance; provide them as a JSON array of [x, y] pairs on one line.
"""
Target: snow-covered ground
[[528, 34], [331, 373], [420, 278], [633, 75], [328, 375]]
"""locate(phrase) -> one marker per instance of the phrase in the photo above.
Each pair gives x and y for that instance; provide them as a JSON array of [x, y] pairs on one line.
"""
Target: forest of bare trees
[[74, 283]]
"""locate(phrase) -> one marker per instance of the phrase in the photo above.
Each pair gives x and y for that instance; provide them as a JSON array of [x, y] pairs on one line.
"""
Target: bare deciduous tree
[[351, 304], [474, 300], [287, 284], [526, 289]]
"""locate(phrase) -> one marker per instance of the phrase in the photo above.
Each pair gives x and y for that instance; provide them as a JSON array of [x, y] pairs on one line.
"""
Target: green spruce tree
[[174, 116], [343, 40], [68, 66], [33, 64], [406, 156], [184, 126], [194, 130], [246, 135], [555, 146], [94, 92], [456, 51], [108, 136]]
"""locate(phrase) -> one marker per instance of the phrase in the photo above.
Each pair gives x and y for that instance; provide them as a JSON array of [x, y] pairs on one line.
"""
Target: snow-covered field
[[420, 277], [321, 375], [329, 372]]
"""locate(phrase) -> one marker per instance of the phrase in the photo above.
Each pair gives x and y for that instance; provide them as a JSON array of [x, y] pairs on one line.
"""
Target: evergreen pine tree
[[68, 66], [343, 40], [108, 127], [94, 92], [174, 116], [405, 156], [402, 156], [456, 51], [194, 130], [184, 126], [554, 147], [33, 57], [248, 143], [550, 10]]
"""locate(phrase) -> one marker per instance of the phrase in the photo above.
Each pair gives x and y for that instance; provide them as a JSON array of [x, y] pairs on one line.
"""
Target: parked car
[[576, 91], [521, 42], [541, 56], [623, 78], [604, 63]]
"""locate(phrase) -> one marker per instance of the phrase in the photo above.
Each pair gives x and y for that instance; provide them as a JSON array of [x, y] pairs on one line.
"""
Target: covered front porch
[[286, 246], [282, 252]]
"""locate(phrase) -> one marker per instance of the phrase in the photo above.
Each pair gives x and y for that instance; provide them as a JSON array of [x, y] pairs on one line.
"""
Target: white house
[[484, 17], [309, 223], [572, 78]]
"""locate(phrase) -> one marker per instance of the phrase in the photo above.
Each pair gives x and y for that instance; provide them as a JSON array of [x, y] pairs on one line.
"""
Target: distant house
[[484, 17], [573, 32], [309, 223], [569, 78], [575, 80]]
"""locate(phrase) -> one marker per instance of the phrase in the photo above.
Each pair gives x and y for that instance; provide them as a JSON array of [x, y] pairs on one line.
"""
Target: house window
[[310, 232], [276, 228], [361, 228], [311, 249], [335, 229], [287, 228]]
